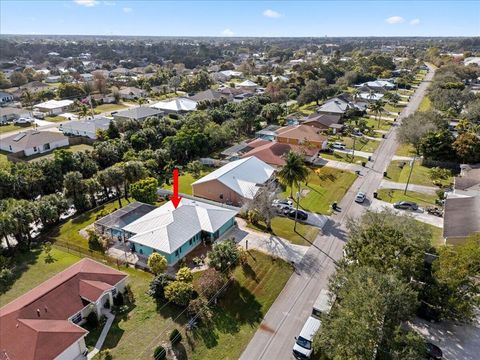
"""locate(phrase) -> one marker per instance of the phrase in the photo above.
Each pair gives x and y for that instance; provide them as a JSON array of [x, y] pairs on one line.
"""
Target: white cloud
[[86, 3], [395, 20], [271, 13], [228, 32], [127, 10], [414, 21]]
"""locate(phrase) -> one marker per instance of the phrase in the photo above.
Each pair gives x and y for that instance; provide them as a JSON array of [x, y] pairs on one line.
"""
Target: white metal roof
[[247, 83], [178, 104], [167, 228], [54, 104], [242, 176]]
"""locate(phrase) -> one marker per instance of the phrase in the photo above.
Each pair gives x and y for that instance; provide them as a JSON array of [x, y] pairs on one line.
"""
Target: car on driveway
[[405, 205], [360, 198], [282, 205], [338, 145], [301, 215], [23, 120], [433, 352]]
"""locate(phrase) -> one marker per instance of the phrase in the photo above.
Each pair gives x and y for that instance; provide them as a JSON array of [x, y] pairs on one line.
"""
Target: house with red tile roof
[[43, 324], [273, 153]]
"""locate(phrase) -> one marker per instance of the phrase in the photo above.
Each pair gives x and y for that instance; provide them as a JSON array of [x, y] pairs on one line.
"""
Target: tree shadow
[[180, 352]]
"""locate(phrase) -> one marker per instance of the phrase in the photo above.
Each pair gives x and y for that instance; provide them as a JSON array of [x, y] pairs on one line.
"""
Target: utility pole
[[353, 150], [296, 212], [410, 173]]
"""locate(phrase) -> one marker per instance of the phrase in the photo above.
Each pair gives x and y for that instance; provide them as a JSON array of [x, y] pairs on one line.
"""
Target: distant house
[[378, 85], [53, 79], [131, 93], [324, 121], [119, 72], [231, 74], [5, 98], [268, 133], [208, 95], [87, 128], [235, 182], [33, 87], [273, 153], [339, 106], [174, 232], [54, 107], [177, 105], [461, 218], [44, 323], [138, 113], [248, 84], [31, 142], [87, 77], [302, 135], [10, 113]]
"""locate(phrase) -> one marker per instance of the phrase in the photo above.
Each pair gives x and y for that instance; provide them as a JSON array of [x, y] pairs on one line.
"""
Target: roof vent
[[38, 312]]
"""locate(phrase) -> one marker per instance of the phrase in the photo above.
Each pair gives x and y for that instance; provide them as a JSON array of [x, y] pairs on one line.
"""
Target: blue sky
[[242, 18]]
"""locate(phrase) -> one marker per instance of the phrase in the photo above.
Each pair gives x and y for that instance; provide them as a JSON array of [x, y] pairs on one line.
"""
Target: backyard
[[185, 181], [71, 148], [420, 174], [105, 108], [324, 186], [341, 156], [373, 123]]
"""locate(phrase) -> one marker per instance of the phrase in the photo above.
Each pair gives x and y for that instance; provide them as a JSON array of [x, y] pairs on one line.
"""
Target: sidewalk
[[339, 165], [98, 346], [386, 184], [357, 152]]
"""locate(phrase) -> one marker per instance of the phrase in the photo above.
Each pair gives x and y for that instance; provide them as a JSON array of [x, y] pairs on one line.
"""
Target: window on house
[[114, 291], [77, 318], [176, 252], [190, 242], [46, 147]]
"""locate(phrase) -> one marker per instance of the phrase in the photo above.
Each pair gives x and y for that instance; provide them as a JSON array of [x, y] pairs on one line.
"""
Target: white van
[[303, 343], [323, 304]]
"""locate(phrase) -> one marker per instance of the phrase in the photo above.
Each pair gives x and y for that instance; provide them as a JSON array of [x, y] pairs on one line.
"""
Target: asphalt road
[[274, 338]]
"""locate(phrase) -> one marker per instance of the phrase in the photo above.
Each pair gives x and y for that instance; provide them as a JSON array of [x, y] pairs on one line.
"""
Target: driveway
[[357, 152], [419, 215], [386, 184], [339, 165], [457, 341]]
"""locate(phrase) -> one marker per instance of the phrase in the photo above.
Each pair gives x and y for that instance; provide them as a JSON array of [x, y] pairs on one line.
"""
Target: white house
[[249, 84], [54, 107], [177, 105], [5, 98], [86, 128], [32, 142]]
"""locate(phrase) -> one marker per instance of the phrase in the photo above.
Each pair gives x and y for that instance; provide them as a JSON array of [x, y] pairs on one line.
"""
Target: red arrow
[[175, 198]]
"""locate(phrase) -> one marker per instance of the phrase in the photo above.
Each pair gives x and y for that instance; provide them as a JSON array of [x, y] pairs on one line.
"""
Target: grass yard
[[11, 127], [325, 186], [393, 196], [72, 148], [4, 162], [283, 227], [420, 174], [239, 313], [55, 119], [405, 150], [384, 124], [109, 108], [31, 270], [340, 156], [425, 105], [361, 144], [437, 235], [393, 108], [185, 181]]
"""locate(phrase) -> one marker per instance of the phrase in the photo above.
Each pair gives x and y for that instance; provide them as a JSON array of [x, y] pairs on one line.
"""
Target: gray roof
[[207, 95], [335, 106], [31, 138], [11, 110], [469, 179], [324, 119], [461, 216], [138, 113], [126, 215], [235, 149]]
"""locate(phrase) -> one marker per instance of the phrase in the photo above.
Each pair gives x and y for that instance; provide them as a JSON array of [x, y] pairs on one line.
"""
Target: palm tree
[[355, 94], [27, 98], [141, 101], [294, 171], [377, 107], [83, 111]]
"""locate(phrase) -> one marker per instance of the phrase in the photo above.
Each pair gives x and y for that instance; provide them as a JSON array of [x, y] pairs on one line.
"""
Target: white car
[[23, 120], [338, 145], [302, 349], [360, 198], [282, 204]]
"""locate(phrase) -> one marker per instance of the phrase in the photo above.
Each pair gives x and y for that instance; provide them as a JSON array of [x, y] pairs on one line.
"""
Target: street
[[275, 337]]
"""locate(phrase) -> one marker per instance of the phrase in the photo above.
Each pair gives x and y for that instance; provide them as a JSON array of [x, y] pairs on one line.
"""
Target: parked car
[[39, 115], [339, 145], [282, 205], [357, 132], [302, 349], [433, 352], [301, 215], [23, 120], [360, 198], [405, 205]]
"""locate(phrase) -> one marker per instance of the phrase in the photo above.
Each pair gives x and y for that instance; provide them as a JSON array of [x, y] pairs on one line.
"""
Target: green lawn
[[340, 156], [4, 162], [425, 105], [185, 181], [393, 108], [239, 313], [405, 150], [361, 143], [72, 148], [393, 196], [437, 235], [283, 227], [109, 108], [325, 186], [55, 119], [31, 270], [384, 124], [12, 127], [420, 174]]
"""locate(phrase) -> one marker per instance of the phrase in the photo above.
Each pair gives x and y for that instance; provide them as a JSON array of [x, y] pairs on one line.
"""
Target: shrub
[[159, 353], [94, 242], [118, 300], [6, 280], [175, 337], [157, 287], [210, 282], [224, 255], [179, 293], [92, 319], [184, 275], [105, 355], [129, 294], [199, 306], [157, 263]]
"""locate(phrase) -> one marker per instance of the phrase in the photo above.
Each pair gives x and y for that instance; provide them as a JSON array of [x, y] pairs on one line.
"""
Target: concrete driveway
[[457, 341], [419, 215]]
